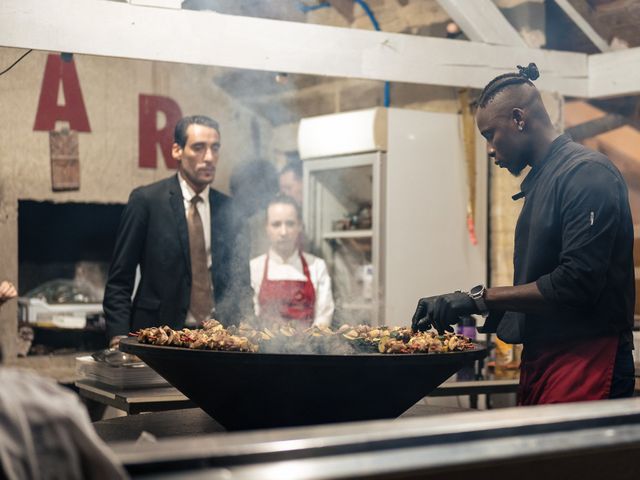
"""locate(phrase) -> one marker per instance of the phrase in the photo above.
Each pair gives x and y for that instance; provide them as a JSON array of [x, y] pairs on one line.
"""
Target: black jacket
[[574, 238], [153, 234]]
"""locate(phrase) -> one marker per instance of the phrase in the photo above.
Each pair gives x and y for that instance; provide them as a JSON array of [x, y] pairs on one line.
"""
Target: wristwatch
[[477, 294]]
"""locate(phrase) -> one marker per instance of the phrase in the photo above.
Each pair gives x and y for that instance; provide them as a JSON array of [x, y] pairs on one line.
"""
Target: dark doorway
[[63, 242], [54, 237]]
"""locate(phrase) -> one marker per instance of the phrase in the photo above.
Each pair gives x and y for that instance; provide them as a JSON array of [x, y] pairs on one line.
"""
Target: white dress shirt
[[291, 269], [204, 209]]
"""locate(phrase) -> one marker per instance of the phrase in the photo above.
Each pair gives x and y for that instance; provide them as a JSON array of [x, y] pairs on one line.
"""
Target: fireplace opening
[[64, 250]]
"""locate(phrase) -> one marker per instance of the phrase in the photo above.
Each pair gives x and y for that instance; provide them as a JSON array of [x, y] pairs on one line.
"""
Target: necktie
[[201, 302]]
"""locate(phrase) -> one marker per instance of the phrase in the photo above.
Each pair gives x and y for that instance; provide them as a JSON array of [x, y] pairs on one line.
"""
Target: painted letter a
[[57, 72]]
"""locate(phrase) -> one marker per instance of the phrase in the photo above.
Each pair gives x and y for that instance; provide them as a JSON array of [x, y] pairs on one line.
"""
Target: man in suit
[[181, 233]]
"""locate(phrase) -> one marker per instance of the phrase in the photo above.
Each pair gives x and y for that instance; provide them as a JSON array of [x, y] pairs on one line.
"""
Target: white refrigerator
[[387, 194]]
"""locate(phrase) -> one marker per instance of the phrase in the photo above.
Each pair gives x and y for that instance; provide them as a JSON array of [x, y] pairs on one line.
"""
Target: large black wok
[[260, 390]]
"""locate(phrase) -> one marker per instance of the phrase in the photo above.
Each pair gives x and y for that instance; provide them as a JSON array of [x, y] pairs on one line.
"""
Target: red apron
[[287, 299], [571, 371]]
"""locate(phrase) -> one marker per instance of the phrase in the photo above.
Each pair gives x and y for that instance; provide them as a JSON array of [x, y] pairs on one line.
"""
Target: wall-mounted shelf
[[339, 234]]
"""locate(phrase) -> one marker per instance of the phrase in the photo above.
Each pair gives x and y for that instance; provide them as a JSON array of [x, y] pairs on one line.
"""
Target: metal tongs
[[115, 358]]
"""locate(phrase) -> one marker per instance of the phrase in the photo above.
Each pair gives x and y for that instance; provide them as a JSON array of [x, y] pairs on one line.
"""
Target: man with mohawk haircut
[[573, 297]]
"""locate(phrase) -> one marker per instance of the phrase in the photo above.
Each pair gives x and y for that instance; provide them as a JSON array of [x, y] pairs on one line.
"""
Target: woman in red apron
[[290, 285], [289, 300]]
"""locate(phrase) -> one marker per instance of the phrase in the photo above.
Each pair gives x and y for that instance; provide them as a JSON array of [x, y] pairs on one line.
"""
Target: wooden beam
[[482, 21], [106, 28], [595, 127], [614, 73], [583, 25], [157, 3]]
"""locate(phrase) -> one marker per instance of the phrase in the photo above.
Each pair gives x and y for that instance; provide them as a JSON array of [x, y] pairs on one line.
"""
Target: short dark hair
[[294, 166], [252, 175], [287, 200], [180, 132], [525, 75]]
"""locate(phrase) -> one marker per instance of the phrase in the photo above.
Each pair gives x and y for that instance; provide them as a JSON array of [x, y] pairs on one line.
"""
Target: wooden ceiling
[[285, 99], [616, 21], [611, 19]]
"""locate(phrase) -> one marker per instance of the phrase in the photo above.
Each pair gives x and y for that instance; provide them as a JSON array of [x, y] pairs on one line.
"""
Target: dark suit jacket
[[153, 233]]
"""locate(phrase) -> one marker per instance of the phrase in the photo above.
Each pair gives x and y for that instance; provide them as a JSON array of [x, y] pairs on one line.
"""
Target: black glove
[[442, 311]]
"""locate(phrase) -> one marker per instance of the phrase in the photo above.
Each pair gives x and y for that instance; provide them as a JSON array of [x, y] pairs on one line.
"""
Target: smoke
[[252, 185], [281, 100], [295, 337], [308, 343]]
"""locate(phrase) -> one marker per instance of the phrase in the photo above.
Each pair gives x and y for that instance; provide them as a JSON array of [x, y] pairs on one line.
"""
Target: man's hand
[[442, 311], [7, 291], [115, 341]]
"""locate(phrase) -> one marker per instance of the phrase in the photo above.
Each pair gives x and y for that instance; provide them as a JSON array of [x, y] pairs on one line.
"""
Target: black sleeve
[[590, 217], [127, 254]]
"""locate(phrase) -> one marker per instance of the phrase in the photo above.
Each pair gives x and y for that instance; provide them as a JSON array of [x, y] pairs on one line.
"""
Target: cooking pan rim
[[133, 343]]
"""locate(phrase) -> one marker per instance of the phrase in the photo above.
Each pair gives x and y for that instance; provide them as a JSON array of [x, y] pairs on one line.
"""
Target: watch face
[[477, 290]]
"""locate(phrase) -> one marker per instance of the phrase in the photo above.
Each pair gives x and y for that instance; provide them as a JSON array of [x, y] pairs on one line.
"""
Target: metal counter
[[584, 440]]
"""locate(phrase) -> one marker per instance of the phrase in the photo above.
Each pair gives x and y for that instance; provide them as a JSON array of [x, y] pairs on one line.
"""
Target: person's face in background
[[283, 228], [198, 159], [291, 186]]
